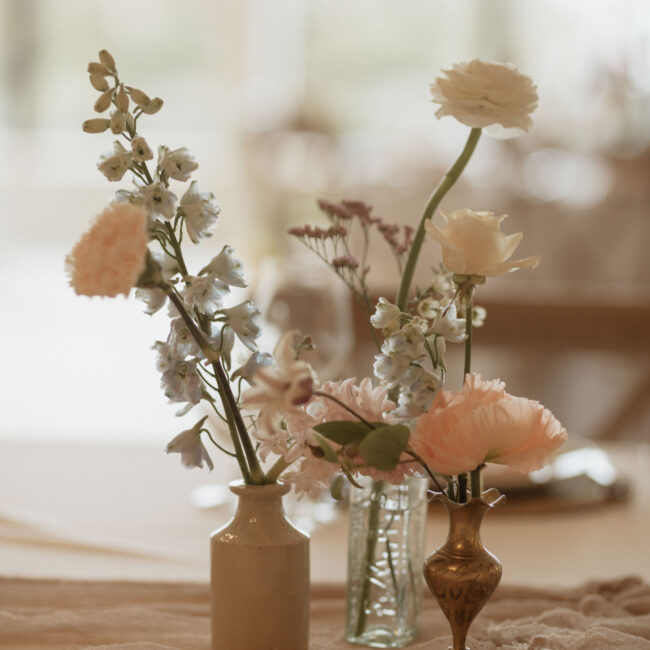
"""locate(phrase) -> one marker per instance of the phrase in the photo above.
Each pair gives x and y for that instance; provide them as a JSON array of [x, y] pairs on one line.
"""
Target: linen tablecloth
[[85, 615]]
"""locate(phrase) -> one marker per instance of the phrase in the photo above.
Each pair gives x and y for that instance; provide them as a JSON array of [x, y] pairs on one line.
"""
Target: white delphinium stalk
[[177, 164], [116, 163], [200, 210], [226, 268], [189, 445], [181, 340]]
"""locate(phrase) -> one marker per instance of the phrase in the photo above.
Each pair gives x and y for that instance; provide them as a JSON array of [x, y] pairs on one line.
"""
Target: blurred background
[[284, 102]]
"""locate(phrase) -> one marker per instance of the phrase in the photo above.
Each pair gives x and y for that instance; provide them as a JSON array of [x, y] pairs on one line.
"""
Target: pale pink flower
[[281, 389], [109, 258], [482, 423]]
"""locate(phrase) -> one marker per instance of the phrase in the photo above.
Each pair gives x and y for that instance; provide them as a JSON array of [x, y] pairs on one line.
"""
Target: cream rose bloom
[[481, 94], [472, 244], [111, 256]]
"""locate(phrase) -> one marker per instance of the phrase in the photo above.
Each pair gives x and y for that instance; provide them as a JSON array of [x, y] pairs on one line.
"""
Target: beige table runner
[[80, 615]]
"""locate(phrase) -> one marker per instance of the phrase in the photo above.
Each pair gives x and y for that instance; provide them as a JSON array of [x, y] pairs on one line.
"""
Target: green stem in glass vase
[[438, 194]]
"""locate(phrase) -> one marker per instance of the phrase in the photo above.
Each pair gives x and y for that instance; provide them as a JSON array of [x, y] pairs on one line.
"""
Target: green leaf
[[330, 454], [343, 432], [336, 487], [382, 447]]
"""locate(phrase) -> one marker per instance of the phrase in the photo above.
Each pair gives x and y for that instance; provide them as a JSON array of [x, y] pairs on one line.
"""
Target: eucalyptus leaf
[[336, 487], [343, 432], [382, 447]]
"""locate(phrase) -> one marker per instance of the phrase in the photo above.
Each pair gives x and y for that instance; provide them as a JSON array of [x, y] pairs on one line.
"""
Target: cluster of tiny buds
[[117, 94], [390, 230], [314, 232], [347, 209], [345, 262]]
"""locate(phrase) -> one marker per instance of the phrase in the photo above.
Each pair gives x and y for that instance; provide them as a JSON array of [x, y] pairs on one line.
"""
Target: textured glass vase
[[385, 555]]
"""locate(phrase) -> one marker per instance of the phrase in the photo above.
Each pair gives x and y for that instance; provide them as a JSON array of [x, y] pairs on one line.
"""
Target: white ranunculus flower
[[386, 317], [200, 210], [472, 244], [189, 445], [177, 164], [481, 94], [159, 200], [244, 319], [115, 164], [226, 268]]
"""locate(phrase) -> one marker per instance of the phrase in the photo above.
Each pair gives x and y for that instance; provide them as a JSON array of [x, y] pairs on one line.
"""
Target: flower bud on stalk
[[107, 60], [98, 82], [153, 106], [104, 101], [140, 98], [98, 69], [122, 100], [118, 122], [97, 125]]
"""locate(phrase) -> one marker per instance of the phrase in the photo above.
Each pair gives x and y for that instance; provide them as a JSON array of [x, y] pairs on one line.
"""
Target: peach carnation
[[109, 258], [482, 423]]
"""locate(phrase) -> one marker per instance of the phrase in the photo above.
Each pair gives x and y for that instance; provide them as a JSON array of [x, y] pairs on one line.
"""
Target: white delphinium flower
[[223, 341], [255, 361], [116, 163], [226, 268], [140, 149], [200, 210], [154, 299], [177, 164], [181, 340], [478, 316], [388, 369], [204, 293], [244, 319], [386, 317], [449, 326], [124, 196], [181, 383], [189, 445], [159, 200]]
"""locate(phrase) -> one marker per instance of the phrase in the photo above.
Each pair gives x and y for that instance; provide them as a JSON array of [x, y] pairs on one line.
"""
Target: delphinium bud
[[122, 100], [107, 60], [98, 68], [118, 122], [99, 82], [97, 125], [153, 106], [140, 98], [104, 101]]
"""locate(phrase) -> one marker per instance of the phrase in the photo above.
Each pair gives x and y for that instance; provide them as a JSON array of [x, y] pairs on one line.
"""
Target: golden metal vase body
[[462, 574]]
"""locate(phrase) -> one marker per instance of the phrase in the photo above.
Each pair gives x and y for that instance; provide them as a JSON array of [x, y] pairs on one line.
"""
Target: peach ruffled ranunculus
[[111, 256], [483, 94], [482, 423], [473, 244]]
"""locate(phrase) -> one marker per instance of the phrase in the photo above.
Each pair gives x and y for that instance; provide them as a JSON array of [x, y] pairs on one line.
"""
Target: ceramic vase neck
[[259, 504]]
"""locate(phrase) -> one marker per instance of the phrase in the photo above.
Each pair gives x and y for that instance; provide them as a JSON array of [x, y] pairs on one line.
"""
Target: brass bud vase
[[462, 574]]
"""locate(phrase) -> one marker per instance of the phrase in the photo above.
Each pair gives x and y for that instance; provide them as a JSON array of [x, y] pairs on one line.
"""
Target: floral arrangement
[[397, 423]]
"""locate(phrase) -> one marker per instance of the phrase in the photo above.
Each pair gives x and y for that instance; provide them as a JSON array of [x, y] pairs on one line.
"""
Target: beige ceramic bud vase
[[462, 574], [259, 575]]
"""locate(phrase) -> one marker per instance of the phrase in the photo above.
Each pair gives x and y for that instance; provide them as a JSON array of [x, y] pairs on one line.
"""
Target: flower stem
[[438, 194], [346, 407]]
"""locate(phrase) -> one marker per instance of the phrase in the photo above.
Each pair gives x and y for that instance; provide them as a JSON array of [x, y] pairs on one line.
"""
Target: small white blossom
[[386, 317], [244, 319], [226, 268], [408, 342], [478, 316], [140, 149], [389, 369], [177, 164], [153, 298], [256, 361], [189, 445], [115, 164], [428, 308], [449, 326], [205, 293], [159, 200], [181, 383], [440, 283], [181, 340], [200, 210], [223, 341]]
